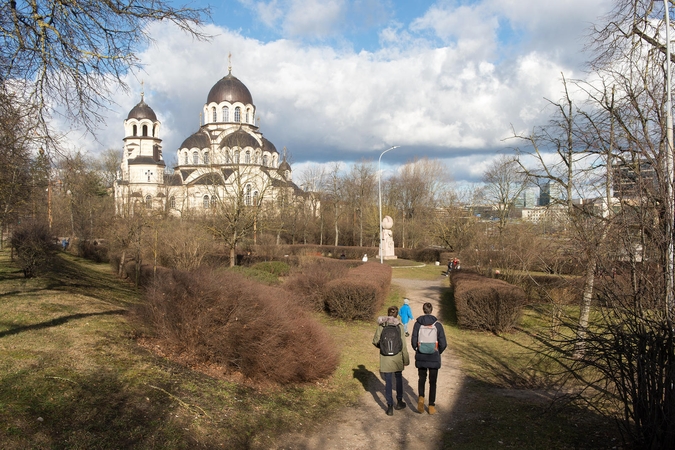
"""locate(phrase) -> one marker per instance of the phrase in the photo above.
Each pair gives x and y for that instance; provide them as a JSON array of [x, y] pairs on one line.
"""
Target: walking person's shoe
[[420, 405], [432, 409], [400, 405], [390, 410]]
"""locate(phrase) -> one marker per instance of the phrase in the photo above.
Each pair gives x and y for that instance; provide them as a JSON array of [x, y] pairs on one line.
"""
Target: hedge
[[486, 303]]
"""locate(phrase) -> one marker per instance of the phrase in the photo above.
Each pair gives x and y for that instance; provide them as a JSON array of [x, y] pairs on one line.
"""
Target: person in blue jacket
[[406, 315]]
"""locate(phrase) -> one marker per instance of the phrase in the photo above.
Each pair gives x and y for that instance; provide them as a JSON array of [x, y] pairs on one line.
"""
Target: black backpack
[[390, 341]]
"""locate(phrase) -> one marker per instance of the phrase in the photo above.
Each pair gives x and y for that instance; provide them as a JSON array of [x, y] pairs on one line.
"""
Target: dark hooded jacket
[[429, 361]]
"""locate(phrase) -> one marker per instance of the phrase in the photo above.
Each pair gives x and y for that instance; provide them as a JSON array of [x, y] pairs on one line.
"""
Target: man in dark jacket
[[428, 360]]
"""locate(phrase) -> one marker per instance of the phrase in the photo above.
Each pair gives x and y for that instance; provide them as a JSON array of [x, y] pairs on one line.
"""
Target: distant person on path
[[449, 268], [365, 258], [406, 315], [389, 338], [428, 340]]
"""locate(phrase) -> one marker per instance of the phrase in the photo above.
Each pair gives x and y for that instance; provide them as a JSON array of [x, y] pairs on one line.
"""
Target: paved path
[[366, 426]]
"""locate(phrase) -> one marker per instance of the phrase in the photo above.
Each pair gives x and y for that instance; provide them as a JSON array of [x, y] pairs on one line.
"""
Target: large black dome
[[240, 139], [268, 146], [197, 140], [142, 111], [229, 89]]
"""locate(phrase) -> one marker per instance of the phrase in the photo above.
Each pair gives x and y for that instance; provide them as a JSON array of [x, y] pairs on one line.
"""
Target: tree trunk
[[120, 269], [233, 256], [585, 309]]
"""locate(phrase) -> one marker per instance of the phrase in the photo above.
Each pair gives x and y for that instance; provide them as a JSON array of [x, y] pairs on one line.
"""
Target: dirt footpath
[[366, 426]]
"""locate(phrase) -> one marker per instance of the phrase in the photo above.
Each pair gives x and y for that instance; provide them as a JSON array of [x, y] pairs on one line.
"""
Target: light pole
[[670, 302], [379, 192]]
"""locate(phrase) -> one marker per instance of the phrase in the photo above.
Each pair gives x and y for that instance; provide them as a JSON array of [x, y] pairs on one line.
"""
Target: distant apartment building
[[554, 213], [630, 179]]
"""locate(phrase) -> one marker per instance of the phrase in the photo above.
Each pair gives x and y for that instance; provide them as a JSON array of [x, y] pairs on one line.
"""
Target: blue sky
[[342, 80]]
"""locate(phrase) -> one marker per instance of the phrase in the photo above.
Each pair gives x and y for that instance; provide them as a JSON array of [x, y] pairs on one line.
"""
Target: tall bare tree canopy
[[74, 53]]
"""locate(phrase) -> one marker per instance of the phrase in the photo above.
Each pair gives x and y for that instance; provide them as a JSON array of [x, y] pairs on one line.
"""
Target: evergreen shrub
[[486, 303], [427, 255], [278, 268]]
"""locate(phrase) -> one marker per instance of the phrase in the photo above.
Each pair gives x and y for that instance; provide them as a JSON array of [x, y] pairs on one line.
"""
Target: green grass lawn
[[72, 375]]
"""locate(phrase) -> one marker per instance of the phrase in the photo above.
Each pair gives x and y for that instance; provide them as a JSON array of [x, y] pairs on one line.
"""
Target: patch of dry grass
[[73, 376]]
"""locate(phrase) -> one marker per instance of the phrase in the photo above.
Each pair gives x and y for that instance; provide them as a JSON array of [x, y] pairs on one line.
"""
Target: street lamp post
[[379, 192], [670, 275]]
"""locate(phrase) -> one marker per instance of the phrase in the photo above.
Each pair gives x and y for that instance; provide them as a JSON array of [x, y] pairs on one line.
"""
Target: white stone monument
[[387, 239]]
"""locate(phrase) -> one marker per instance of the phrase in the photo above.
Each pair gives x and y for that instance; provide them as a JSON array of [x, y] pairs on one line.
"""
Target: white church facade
[[227, 158]]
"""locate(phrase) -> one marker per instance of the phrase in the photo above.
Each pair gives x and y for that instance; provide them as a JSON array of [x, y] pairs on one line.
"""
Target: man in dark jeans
[[428, 354]]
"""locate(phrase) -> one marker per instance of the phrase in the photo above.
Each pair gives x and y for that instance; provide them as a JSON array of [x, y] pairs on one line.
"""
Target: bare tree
[[414, 192], [108, 164], [504, 183], [70, 57], [334, 195], [360, 186], [14, 161], [236, 205], [313, 181]]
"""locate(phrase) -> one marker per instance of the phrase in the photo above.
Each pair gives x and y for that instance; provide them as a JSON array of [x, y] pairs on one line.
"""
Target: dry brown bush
[[221, 318], [360, 294], [486, 303], [309, 279]]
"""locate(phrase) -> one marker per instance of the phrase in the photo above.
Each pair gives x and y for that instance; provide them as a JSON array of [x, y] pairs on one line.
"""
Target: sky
[[344, 80]]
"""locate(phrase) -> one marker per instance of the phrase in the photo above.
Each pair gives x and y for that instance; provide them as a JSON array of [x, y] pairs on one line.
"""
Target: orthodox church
[[227, 158]]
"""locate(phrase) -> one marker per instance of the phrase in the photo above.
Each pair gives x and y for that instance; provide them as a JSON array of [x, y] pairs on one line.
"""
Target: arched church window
[[148, 201], [228, 157], [172, 202], [255, 198], [145, 130], [214, 199], [237, 114], [247, 116], [135, 132], [195, 158], [215, 116], [247, 195], [185, 158], [226, 114], [264, 160], [153, 131], [236, 156], [205, 202], [247, 158], [206, 158]]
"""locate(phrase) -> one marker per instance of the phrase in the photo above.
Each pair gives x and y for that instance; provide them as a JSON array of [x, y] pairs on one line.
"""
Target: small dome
[[229, 89], [240, 139], [284, 166], [268, 146], [197, 140], [142, 111]]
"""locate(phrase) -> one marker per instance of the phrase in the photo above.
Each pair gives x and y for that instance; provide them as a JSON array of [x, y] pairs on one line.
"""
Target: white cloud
[[455, 101], [314, 18]]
